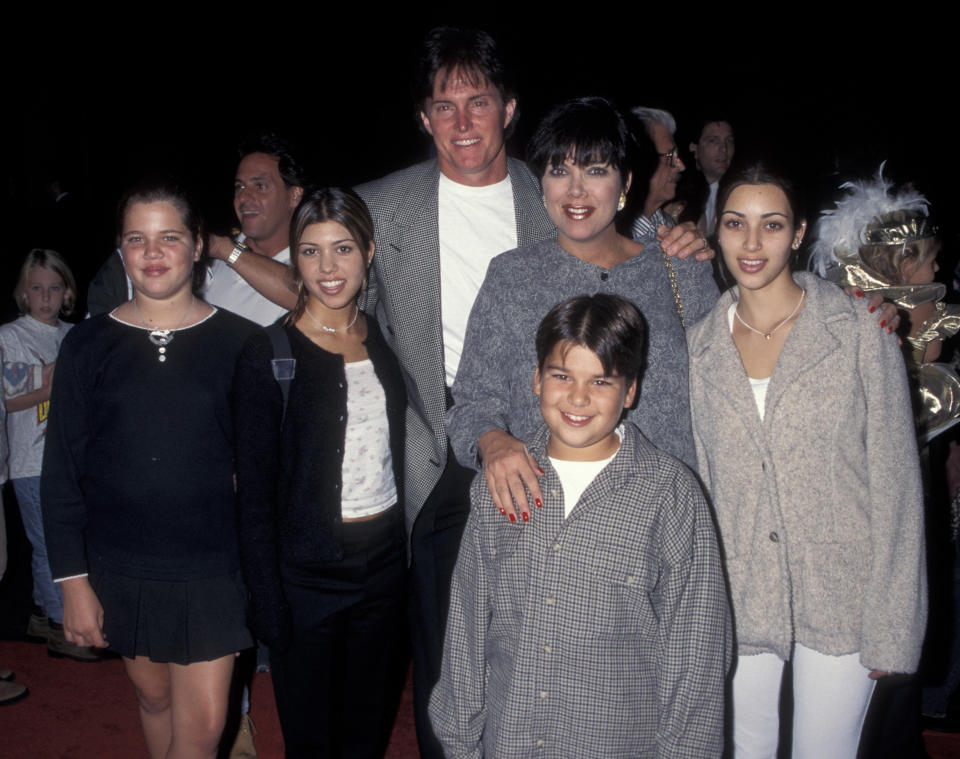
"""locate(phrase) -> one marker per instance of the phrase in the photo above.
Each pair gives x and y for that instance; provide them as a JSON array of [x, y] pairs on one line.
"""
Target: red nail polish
[[538, 502], [889, 330], [503, 511], [513, 518], [883, 322], [858, 293], [539, 471], [526, 517], [872, 309]]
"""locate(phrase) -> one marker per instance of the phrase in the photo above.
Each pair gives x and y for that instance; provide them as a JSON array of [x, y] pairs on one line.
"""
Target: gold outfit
[[936, 385]]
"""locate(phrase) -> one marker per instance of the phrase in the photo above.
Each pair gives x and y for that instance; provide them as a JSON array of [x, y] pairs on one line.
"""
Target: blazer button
[[774, 537], [604, 276]]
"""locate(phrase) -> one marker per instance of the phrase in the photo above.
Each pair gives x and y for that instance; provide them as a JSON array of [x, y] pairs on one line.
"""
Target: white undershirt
[[576, 476], [475, 225], [758, 386], [368, 485]]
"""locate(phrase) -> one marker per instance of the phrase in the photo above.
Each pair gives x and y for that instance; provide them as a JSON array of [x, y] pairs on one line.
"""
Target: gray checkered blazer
[[404, 294]]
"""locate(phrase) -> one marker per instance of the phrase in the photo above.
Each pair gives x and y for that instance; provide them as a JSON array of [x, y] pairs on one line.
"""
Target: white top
[[226, 289], [367, 473], [576, 476], [475, 225], [26, 345], [758, 386]]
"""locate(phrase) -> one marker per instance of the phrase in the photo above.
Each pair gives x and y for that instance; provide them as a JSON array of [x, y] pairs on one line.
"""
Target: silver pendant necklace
[[325, 328], [162, 337]]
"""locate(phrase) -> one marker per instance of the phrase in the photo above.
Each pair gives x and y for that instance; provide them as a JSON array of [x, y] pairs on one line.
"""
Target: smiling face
[[332, 266], [263, 203], [466, 121], [758, 234], [158, 250], [714, 150], [45, 292], [582, 200], [580, 403]]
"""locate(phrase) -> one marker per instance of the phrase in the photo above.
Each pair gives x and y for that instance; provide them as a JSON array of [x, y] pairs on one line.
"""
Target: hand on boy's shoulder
[[511, 474]]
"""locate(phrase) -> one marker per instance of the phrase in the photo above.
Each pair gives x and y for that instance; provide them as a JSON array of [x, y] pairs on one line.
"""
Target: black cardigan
[[289, 466]]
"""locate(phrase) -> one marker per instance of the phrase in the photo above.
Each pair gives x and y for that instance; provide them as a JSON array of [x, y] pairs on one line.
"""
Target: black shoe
[[38, 628], [10, 693]]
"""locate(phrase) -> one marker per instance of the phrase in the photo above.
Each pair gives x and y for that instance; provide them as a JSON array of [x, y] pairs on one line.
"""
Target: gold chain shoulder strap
[[675, 287]]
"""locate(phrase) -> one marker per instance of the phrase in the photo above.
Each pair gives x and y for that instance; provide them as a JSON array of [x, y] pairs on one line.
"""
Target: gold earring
[[622, 202]]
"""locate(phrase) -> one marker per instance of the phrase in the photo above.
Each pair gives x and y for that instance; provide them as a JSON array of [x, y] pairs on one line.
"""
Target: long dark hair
[[337, 204]]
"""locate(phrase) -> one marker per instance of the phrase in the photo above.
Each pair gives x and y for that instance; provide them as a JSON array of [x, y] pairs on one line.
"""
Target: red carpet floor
[[82, 711], [86, 711]]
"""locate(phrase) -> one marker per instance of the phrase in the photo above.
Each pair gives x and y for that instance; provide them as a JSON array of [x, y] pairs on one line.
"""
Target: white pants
[[830, 699]]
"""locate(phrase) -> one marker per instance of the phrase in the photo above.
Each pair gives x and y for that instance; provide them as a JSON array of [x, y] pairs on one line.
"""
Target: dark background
[[164, 90]]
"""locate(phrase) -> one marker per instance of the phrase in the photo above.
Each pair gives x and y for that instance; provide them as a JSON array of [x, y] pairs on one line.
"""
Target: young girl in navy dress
[[319, 477], [138, 482]]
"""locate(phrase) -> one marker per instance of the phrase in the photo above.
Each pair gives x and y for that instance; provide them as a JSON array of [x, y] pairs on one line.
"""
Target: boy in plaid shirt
[[601, 627]]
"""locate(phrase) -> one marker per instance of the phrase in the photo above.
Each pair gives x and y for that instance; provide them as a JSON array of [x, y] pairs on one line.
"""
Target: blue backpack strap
[[284, 364]]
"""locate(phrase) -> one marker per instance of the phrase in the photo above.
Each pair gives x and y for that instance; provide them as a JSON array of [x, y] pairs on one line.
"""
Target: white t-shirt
[[226, 289], [26, 345], [475, 225], [576, 476]]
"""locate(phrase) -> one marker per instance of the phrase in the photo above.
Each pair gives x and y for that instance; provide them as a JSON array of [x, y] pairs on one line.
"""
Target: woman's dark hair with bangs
[[588, 130], [610, 326]]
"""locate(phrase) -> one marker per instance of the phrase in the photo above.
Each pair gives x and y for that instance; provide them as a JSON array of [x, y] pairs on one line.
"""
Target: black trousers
[[338, 684], [434, 544]]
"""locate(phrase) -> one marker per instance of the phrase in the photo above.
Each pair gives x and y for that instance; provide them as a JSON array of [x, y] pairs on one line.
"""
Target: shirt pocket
[[620, 603]]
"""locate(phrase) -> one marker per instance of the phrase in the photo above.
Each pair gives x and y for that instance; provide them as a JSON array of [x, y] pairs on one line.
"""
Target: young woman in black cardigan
[[319, 478]]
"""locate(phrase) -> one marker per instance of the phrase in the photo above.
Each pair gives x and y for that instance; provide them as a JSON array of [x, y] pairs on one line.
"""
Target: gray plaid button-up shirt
[[605, 634]]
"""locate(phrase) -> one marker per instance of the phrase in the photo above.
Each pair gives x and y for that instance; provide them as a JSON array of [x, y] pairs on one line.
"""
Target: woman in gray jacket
[[804, 437]]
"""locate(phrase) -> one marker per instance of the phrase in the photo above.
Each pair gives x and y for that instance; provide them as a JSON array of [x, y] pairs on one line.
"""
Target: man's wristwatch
[[238, 248]]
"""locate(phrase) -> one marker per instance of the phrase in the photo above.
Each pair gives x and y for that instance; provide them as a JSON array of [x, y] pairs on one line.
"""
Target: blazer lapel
[[810, 342], [415, 291], [717, 363]]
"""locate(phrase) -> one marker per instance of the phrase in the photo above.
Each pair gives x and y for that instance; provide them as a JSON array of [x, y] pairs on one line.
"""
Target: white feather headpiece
[[862, 218]]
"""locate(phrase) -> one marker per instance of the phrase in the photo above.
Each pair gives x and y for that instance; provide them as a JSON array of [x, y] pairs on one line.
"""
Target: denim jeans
[[46, 592]]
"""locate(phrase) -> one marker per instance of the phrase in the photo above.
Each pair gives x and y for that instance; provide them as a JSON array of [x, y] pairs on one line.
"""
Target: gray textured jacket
[[405, 297], [820, 504], [494, 386]]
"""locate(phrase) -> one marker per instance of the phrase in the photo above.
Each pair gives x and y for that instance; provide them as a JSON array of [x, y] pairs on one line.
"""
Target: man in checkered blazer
[[437, 226]]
